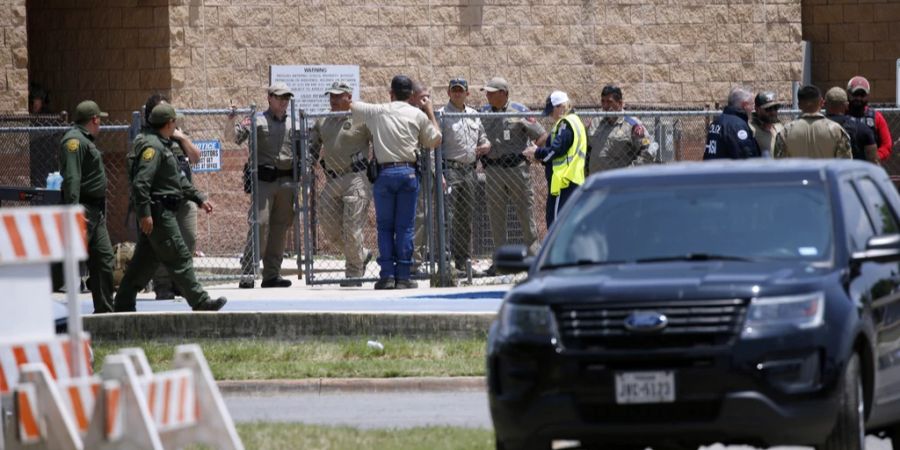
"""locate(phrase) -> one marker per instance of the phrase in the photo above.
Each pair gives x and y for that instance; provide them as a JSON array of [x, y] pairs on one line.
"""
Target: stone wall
[[13, 56], [854, 37], [113, 51], [659, 51]]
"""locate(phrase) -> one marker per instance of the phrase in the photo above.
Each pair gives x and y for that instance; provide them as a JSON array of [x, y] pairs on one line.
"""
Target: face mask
[[857, 106]]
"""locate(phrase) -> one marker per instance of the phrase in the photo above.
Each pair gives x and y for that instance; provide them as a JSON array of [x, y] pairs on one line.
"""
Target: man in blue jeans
[[398, 129]]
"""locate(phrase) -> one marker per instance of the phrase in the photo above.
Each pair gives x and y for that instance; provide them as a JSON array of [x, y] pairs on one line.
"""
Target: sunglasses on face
[[772, 108]]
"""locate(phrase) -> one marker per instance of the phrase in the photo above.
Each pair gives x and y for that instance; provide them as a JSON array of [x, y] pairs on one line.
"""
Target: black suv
[[681, 305]]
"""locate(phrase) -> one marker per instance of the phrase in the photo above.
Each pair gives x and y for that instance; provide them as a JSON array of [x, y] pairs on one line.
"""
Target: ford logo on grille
[[645, 321]]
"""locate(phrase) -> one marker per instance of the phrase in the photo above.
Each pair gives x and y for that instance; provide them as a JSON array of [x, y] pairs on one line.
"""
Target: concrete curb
[[337, 385], [283, 325]]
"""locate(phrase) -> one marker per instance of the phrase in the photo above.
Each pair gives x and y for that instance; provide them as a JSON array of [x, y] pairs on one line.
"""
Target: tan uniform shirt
[[618, 144], [273, 140], [813, 136], [343, 141], [398, 129], [462, 135], [764, 137], [510, 135]]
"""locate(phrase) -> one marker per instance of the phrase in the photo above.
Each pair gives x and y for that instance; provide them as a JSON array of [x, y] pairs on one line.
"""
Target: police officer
[[157, 190], [398, 129], [729, 135], [618, 141], [84, 182], [858, 89], [464, 141], [507, 173], [764, 122], [276, 186], [343, 146], [862, 140], [812, 135], [186, 153], [564, 156]]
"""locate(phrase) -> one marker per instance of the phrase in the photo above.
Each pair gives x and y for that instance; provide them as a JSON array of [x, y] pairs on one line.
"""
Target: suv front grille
[[648, 413], [691, 323]]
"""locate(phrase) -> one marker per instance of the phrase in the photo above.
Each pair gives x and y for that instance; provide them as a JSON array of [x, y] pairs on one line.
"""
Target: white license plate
[[645, 387]]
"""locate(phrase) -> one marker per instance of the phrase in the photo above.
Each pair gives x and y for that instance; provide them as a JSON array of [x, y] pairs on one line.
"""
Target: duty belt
[[170, 202], [396, 164], [337, 173], [99, 202], [505, 161]]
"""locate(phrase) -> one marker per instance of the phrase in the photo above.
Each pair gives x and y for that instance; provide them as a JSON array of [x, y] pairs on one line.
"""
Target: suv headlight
[[527, 322], [795, 311]]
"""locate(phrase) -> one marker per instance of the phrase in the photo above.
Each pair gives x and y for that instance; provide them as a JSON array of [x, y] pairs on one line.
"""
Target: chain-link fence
[[464, 208]]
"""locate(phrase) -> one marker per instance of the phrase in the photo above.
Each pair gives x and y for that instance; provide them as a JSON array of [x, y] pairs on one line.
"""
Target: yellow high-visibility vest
[[569, 168]]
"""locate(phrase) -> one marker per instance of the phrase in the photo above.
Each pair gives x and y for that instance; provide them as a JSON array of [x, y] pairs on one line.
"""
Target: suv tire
[[849, 431]]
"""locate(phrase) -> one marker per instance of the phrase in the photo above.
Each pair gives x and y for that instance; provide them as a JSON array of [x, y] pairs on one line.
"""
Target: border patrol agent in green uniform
[[157, 190], [84, 182]]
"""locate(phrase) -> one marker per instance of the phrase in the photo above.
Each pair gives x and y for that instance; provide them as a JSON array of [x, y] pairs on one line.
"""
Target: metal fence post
[[443, 266], [306, 180], [254, 197], [297, 165]]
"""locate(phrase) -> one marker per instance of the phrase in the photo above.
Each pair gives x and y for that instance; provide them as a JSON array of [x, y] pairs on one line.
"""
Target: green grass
[[343, 358], [278, 436]]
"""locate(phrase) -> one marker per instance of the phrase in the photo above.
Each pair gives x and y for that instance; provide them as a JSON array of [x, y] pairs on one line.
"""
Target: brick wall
[[659, 51], [13, 56], [854, 37], [115, 52]]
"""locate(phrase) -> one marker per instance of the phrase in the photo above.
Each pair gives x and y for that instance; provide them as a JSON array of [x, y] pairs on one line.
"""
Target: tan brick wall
[[115, 52], [13, 56], [854, 37], [686, 52]]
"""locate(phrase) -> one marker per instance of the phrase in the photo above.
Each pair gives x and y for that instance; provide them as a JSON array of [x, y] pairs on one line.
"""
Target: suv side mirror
[[883, 248], [510, 259]]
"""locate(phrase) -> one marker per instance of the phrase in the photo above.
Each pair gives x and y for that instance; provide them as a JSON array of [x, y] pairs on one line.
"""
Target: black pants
[[555, 203]]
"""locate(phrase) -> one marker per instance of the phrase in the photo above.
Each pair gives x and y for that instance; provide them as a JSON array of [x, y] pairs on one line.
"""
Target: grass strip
[[244, 359], [289, 436]]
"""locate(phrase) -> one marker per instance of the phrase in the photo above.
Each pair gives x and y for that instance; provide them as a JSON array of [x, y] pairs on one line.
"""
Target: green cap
[[162, 113], [86, 110]]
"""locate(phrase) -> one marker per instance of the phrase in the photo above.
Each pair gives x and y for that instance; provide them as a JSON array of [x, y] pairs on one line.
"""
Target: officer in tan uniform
[[276, 186], [812, 135], [507, 173], [464, 142], [764, 122], [618, 141], [344, 154]]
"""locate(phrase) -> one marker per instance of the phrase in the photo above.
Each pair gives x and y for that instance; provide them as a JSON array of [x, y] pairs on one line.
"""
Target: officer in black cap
[[764, 122]]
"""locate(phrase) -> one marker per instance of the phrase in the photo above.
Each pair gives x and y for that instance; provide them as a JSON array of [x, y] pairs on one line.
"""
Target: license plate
[[645, 387]]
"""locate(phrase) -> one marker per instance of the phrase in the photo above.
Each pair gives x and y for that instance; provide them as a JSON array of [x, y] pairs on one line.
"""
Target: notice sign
[[210, 156], [309, 83]]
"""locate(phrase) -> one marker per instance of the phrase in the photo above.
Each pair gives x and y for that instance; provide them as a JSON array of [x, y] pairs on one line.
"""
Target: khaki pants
[[342, 212], [460, 206], [186, 216], [511, 185], [276, 215]]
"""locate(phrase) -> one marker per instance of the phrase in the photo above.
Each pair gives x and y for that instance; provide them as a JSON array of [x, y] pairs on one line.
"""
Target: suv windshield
[[740, 222]]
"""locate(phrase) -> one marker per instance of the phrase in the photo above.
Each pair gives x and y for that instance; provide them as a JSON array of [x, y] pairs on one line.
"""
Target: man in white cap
[[564, 155], [275, 160], [858, 89]]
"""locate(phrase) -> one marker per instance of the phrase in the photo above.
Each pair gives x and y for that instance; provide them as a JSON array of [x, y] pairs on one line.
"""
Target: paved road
[[397, 410]]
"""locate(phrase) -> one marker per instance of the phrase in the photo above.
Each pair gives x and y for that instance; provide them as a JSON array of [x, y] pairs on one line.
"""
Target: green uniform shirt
[[157, 173], [81, 164]]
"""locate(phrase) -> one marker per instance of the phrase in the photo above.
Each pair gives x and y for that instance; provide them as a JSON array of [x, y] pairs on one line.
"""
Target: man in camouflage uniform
[[84, 182], [618, 141], [157, 190], [812, 135], [343, 147], [464, 142], [507, 173], [764, 122], [274, 148]]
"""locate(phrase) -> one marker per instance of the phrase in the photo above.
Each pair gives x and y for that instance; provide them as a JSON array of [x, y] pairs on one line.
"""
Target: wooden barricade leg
[[39, 419], [121, 419], [214, 424]]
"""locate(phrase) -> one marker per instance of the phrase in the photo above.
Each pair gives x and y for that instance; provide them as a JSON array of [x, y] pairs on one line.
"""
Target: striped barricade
[[38, 414], [171, 399], [35, 235], [55, 354]]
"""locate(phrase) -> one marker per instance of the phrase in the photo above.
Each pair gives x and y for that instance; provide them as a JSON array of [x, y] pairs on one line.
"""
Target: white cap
[[558, 98]]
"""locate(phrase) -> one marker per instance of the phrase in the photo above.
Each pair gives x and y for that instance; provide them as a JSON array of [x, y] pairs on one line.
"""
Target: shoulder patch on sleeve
[[72, 145], [148, 153], [631, 120], [518, 107], [486, 108]]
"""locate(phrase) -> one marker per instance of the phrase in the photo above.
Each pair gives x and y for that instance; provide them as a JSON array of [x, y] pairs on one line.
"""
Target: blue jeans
[[395, 193]]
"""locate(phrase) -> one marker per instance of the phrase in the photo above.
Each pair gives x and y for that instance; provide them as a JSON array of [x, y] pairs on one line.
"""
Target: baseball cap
[[461, 82], [339, 87], [836, 95], [162, 113], [766, 100], [278, 88], [86, 110], [858, 83], [401, 83], [496, 84], [553, 100]]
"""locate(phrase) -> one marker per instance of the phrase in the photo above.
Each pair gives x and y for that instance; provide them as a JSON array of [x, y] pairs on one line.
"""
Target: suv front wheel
[[849, 431]]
